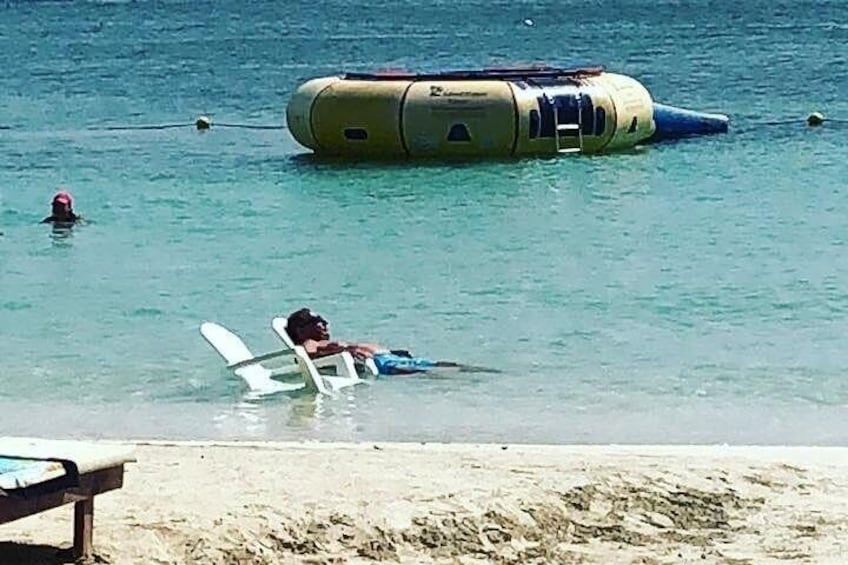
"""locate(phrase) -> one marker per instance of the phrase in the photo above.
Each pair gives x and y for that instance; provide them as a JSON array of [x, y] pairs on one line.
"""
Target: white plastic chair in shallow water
[[291, 362], [280, 325]]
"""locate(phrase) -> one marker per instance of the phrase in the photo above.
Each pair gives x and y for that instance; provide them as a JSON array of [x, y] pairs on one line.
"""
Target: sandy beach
[[455, 503]]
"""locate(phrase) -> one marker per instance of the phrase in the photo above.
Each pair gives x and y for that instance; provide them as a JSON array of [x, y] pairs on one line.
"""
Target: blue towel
[[392, 364], [20, 473]]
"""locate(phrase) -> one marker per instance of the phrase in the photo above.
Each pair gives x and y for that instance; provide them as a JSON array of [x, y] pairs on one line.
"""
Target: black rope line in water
[[159, 126], [781, 122], [247, 126], [199, 125], [800, 121], [814, 120]]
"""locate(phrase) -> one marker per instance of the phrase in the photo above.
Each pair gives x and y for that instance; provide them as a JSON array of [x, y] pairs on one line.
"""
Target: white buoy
[[203, 122], [529, 23], [815, 119]]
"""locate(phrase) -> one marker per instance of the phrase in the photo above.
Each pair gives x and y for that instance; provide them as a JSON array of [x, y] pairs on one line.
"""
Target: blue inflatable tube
[[674, 123]]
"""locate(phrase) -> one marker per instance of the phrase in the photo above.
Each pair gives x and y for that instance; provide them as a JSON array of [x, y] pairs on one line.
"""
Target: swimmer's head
[[63, 204], [305, 324]]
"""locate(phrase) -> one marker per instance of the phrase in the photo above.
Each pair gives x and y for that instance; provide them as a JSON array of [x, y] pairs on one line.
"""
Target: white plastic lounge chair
[[344, 364], [37, 475], [280, 325], [290, 363]]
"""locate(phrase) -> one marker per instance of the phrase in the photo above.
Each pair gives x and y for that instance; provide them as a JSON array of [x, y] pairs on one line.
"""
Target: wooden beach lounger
[[37, 475]]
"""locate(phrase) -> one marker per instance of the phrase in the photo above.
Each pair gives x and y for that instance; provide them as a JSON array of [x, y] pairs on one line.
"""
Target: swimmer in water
[[311, 331], [63, 214]]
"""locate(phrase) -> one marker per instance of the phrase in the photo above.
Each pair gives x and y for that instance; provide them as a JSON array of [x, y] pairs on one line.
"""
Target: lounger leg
[[83, 527]]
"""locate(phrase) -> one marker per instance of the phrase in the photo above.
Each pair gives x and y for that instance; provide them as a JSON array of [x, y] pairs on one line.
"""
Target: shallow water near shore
[[692, 292]]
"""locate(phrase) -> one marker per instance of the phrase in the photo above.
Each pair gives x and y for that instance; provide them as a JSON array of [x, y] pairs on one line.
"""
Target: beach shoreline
[[315, 502]]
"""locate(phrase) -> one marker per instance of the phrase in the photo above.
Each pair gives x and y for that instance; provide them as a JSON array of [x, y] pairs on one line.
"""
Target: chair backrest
[[226, 343], [234, 351], [280, 326], [343, 363]]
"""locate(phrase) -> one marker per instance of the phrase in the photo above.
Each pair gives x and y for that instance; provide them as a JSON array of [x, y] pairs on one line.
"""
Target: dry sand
[[360, 503]]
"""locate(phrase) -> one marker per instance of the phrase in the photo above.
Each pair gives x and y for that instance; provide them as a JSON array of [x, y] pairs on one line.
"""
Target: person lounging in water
[[62, 211], [311, 331]]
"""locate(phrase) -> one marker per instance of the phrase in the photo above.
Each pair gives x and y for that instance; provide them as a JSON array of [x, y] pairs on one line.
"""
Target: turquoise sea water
[[688, 292]]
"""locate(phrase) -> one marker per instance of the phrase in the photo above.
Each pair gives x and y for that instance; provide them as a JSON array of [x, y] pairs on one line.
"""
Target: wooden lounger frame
[[16, 505]]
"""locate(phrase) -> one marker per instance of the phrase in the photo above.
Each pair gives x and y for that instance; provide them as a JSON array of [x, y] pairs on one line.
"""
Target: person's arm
[[323, 348], [47, 220], [359, 351]]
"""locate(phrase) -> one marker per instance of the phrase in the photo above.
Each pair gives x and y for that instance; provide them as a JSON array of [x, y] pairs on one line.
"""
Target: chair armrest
[[346, 366], [371, 367], [259, 358], [341, 362]]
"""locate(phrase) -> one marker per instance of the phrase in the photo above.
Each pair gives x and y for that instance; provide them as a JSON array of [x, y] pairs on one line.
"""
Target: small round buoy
[[815, 119], [529, 23], [203, 122]]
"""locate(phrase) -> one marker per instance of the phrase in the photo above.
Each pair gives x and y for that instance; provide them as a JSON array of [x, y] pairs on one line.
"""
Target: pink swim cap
[[63, 197]]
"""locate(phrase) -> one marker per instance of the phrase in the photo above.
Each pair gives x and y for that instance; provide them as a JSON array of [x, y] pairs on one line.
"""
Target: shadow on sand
[[35, 554]]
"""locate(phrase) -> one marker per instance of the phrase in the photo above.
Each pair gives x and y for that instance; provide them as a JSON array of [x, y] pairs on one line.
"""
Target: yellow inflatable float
[[490, 112]]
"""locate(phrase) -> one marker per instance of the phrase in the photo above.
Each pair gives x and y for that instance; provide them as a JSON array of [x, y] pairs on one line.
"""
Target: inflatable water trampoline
[[484, 113]]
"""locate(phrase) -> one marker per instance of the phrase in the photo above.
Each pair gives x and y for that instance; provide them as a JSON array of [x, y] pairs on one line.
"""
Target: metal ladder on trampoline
[[578, 127]]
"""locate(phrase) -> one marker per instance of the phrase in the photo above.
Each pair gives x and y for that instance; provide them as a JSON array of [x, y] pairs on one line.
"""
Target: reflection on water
[[299, 415], [61, 235]]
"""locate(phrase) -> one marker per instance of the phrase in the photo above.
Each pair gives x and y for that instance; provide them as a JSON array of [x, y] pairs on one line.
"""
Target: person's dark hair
[[298, 320]]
